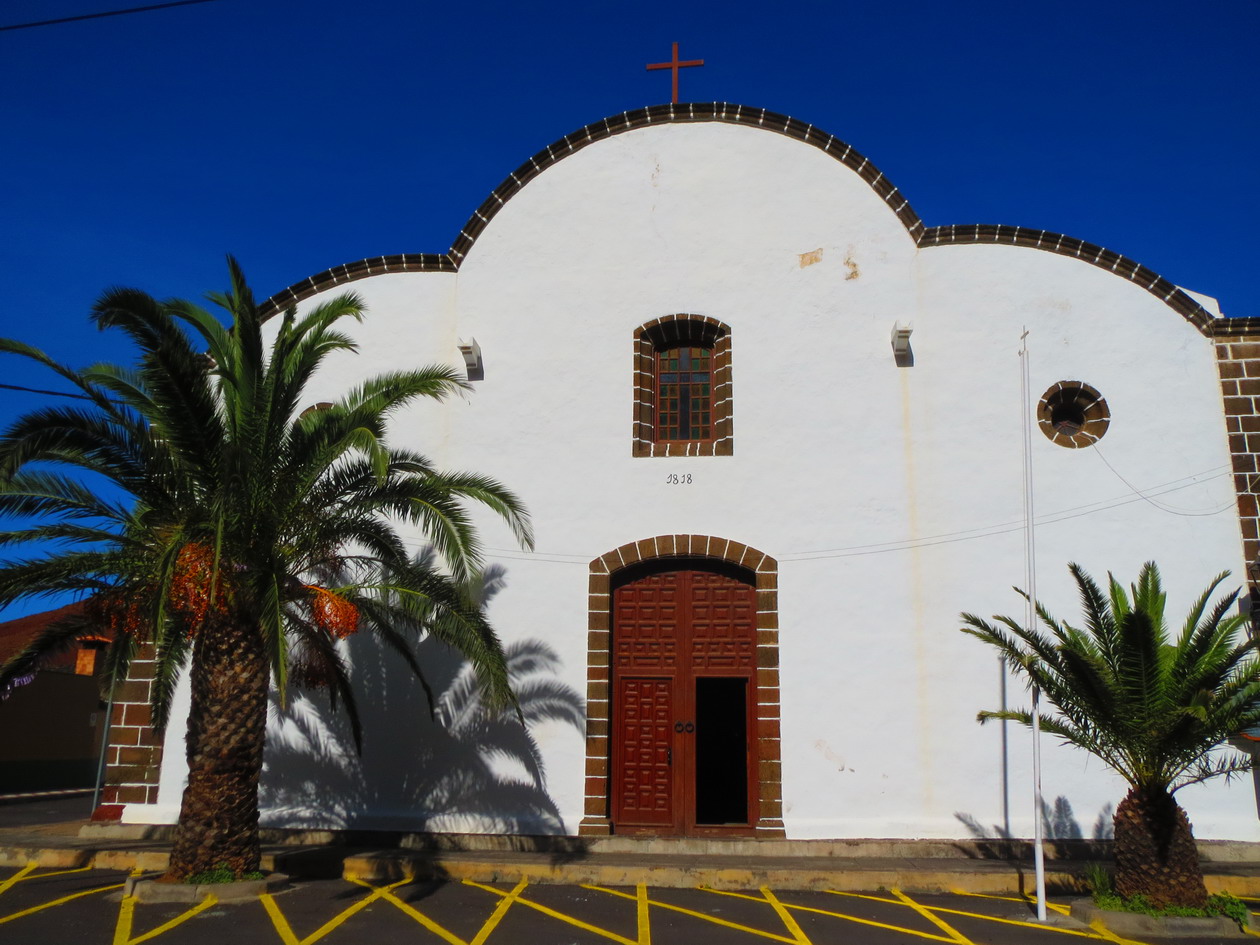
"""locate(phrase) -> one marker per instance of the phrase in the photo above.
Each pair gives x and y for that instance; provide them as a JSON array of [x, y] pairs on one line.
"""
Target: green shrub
[[1218, 904], [221, 874]]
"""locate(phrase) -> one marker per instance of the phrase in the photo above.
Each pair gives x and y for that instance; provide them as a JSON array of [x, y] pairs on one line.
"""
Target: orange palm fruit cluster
[[192, 591], [333, 613], [118, 613]]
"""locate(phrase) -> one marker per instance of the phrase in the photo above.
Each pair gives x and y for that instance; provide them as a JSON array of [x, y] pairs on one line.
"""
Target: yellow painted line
[[441, 932], [698, 915], [1056, 906], [613, 936], [285, 931], [891, 902], [17, 877], [934, 919], [1021, 922], [76, 869], [851, 895], [126, 916], [1110, 936], [641, 913], [786, 916], [58, 902], [499, 912], [999, 920]]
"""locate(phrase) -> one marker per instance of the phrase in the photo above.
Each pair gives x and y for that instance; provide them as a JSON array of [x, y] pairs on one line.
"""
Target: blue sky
[[140, 149]]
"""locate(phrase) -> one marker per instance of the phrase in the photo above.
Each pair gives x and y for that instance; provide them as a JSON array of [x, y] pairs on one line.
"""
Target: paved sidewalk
[[875, 867], [858, 866]]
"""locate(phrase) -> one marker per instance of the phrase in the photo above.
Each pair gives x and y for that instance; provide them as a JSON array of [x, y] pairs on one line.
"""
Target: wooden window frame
[[673, 331]]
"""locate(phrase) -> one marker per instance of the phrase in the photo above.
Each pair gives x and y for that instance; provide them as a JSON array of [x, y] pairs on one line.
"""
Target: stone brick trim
[[133, 757], [596, 821], [1238, 362], [729, 113], [1093, 408], [667, 332]]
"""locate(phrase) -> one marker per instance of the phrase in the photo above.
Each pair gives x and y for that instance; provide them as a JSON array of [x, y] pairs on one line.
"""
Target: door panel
[[645, 790], [684, 695]]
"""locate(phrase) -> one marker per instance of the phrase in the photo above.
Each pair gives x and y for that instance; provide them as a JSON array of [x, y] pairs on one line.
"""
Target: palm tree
[[201, 510], [1153, 708]]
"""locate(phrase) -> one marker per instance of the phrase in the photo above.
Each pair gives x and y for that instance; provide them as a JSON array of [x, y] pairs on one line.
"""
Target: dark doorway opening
[[721, 750]]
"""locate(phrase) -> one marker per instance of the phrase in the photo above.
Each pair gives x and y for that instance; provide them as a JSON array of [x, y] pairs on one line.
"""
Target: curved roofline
[[726, 112]]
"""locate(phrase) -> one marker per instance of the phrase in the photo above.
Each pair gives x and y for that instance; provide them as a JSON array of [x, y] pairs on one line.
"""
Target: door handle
[[678, 726], [689, 727]]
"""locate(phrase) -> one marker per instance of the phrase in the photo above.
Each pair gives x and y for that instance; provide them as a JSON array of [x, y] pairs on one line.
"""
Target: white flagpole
[[1030, 579]]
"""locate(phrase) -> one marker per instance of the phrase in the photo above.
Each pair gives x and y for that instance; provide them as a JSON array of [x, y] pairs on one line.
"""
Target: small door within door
[[684, 699]]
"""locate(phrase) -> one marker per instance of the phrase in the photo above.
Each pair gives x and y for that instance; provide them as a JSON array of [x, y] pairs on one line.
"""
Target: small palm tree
[[226, 527], [1156, 709]]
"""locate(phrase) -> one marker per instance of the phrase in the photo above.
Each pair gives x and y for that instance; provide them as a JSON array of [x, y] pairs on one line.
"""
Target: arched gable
[[726, 112]]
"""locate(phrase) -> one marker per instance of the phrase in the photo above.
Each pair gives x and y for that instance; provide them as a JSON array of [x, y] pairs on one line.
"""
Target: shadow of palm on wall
[[451, 765]]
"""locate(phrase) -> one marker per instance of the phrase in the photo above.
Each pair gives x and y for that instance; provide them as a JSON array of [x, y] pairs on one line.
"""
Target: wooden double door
[[684, 700]]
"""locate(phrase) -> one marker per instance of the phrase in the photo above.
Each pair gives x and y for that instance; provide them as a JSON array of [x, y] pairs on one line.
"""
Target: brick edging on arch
[[596, 820]]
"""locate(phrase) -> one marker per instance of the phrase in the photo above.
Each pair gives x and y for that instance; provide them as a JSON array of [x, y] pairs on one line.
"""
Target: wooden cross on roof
[[673, 66]]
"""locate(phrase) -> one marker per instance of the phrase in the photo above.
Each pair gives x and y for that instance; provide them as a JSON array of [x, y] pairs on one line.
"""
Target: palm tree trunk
[[218, 819], [1155, 852]]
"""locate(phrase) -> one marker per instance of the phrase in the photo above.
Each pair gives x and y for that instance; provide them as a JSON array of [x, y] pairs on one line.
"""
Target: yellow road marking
[[1026, 899], [935, 920], [559, 915], [419, 916], [836, 892], [1025, 923], [1110, 936], [895, 902], [699, 915], [786, 916], [841, 915], [641, 913], [285, 931], [1001, 921], [126, 915], [58, 902], [17, 877], [499, 912]]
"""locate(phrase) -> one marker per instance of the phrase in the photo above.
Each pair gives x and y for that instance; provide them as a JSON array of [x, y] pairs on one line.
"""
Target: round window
[[1073, 414]]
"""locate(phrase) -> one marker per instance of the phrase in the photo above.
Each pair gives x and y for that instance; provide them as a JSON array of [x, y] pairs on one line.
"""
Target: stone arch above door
[[596, 821]]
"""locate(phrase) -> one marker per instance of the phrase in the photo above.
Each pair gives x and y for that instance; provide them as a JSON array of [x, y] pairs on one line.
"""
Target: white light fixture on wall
[[472, 359], [901, 345]]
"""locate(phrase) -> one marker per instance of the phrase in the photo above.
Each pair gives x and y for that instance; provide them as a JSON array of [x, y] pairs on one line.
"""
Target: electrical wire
[[971, 534], [40, 390], [1171, 510], [97, 16]]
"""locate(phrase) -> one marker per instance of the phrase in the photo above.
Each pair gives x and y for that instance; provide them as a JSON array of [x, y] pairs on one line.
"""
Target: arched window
[[683, 388]]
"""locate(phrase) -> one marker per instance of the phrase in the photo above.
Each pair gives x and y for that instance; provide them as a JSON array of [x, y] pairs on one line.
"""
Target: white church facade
[[769, 427]]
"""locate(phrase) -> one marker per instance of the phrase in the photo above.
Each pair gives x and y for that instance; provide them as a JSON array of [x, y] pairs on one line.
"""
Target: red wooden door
[[684, 648]]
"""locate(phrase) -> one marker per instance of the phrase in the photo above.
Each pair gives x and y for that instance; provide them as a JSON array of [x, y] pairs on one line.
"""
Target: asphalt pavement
[[86, 907]]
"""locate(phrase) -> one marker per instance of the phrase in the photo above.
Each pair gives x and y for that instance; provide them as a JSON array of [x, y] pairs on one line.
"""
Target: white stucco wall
[[891, 496]]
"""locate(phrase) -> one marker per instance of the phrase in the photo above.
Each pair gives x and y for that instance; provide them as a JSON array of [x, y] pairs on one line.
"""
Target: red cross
[[673, 66]]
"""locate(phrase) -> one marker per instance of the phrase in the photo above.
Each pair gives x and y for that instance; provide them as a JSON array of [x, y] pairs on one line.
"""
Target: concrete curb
[[851, 865], [150, 890], [1130, 924]]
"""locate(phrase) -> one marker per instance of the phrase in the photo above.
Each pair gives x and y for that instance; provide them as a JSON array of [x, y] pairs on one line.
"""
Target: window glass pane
[[683, 393]]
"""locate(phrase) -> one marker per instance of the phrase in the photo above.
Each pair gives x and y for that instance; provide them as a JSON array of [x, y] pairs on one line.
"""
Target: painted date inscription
[[678, 479]]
